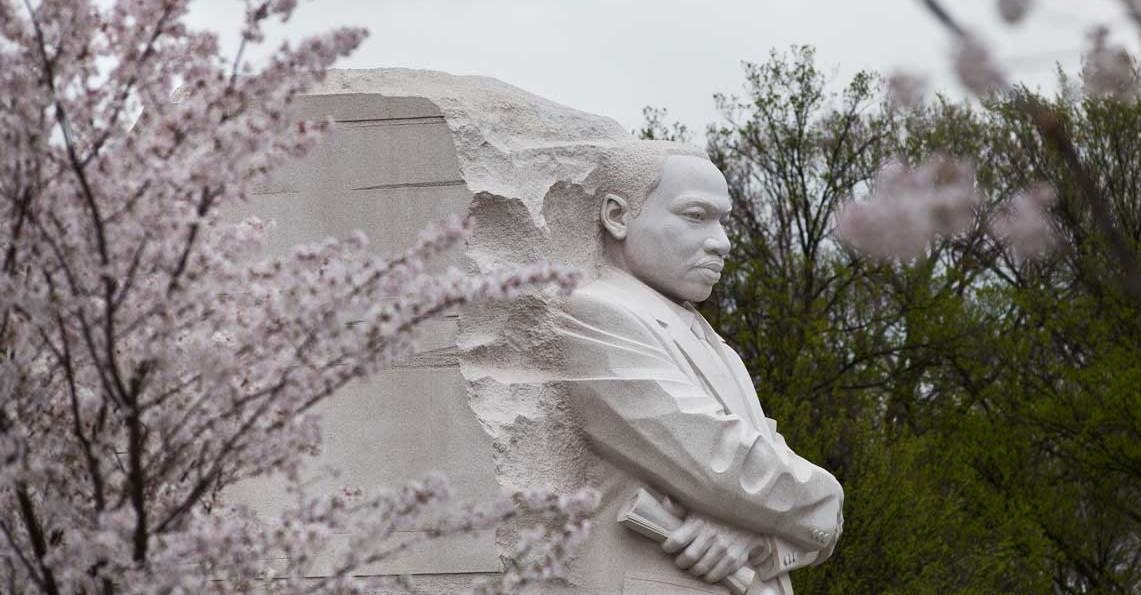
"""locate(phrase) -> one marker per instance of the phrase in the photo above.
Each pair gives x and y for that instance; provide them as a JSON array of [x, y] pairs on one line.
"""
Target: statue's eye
[[694, 214]]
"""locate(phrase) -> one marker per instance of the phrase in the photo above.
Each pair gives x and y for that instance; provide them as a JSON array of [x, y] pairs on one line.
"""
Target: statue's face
[[677, 243]]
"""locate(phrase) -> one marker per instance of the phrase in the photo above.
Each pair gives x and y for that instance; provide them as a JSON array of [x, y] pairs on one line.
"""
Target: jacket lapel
[[717, 375], [753, 410]]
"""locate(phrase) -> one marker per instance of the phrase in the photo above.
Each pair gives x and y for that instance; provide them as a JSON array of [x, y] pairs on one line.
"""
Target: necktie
[[702, 333], [695, 326]]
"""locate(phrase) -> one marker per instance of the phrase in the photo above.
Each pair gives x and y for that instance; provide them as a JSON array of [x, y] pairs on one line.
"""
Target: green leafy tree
[[982, 410]]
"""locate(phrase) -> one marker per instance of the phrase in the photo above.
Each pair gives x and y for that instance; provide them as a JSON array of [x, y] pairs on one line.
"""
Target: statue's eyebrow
[[701, 201]]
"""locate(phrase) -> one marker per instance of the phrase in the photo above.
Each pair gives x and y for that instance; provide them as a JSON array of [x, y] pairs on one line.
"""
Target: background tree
[[980, 407], [150, 358]]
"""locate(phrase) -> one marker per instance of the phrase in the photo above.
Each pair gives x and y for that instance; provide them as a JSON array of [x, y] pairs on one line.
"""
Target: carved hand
[[705, 552]]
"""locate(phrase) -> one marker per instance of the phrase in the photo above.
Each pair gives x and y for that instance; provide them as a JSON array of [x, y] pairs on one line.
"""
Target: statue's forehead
[[691, 172], [687, 161]]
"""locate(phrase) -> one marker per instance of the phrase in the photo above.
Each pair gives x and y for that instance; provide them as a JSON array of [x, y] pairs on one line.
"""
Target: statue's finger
[[737, 556], [695, 550], [717, 550], [682, 536]]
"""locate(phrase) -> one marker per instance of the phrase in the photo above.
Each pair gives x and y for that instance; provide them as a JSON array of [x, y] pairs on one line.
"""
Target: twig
[[1055, 133], [1051, 129], [945, 18], [36, 535]]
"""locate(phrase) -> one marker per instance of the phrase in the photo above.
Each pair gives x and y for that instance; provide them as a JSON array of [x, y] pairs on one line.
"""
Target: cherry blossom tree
[[907, 206], [150, 358]]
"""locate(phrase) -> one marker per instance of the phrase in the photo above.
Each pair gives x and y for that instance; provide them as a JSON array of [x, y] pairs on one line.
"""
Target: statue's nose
[[718, 243]]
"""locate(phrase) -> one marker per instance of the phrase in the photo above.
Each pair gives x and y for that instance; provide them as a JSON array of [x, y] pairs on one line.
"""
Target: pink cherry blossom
[[1109, 70], [1025, 224], [151, 356], [906, 90], [1013, 11], [977, 69], [909, 207]]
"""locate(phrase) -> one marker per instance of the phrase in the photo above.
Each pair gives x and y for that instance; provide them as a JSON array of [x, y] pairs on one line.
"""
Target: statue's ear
[[615, 213]]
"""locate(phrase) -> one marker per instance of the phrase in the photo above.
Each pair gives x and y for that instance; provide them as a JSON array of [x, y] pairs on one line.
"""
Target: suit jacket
[[670, 413]]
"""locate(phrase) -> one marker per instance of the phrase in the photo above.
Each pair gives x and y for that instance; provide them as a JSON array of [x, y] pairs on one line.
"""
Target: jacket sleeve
[[640, 411]]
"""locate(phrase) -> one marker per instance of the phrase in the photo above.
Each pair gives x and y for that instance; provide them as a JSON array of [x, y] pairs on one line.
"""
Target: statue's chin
[[701, 297], [688, 290], [691, 294]]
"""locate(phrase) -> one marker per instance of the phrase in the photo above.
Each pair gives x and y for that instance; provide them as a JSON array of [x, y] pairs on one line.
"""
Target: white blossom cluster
[[910, 207], [1013, 11], [906, 90], [1025, 224], [1108, 70], [977, 69], [149, 357]]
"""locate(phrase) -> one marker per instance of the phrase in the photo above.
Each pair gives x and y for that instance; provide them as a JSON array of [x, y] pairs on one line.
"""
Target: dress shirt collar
[[686, 312]]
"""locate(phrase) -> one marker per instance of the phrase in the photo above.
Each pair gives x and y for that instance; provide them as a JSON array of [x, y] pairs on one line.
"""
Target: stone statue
[[621, 386], [670, 406]]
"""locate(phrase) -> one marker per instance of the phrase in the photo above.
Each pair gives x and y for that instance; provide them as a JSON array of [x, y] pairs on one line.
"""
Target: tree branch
[[1052, 129], [36, 535]]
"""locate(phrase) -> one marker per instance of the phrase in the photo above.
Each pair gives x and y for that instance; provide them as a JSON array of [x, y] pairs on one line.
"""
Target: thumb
[[759, 551], [674, 508]]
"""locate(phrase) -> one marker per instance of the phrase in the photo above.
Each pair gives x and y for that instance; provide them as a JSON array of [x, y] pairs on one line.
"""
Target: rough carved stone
[[530, 168]]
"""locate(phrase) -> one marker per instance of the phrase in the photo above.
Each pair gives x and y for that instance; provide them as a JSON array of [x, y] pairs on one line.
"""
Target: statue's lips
[[712, 265], [711, 271]]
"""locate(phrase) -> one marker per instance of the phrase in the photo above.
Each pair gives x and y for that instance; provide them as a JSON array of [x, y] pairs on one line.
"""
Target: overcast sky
[[613, 57]]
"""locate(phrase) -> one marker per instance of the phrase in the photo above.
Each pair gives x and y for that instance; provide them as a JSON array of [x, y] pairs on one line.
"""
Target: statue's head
[[663, 216]]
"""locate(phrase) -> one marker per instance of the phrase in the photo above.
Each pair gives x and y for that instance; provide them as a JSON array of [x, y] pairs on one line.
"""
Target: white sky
[[613, 57]]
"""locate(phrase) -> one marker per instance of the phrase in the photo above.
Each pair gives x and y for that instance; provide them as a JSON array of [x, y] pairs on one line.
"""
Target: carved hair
[[633, 169]]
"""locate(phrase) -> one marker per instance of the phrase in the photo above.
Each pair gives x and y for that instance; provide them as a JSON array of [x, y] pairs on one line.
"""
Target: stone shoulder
[[606, 307], [599, 300]]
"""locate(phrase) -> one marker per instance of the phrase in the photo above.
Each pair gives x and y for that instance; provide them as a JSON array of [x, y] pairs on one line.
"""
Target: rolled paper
[[645, 515]]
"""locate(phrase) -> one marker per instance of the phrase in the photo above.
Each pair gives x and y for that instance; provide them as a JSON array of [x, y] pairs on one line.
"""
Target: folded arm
[[642, 412]]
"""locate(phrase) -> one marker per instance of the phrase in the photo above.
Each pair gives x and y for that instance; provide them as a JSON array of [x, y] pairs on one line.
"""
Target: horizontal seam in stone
[[414, 185], [394, 121]]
